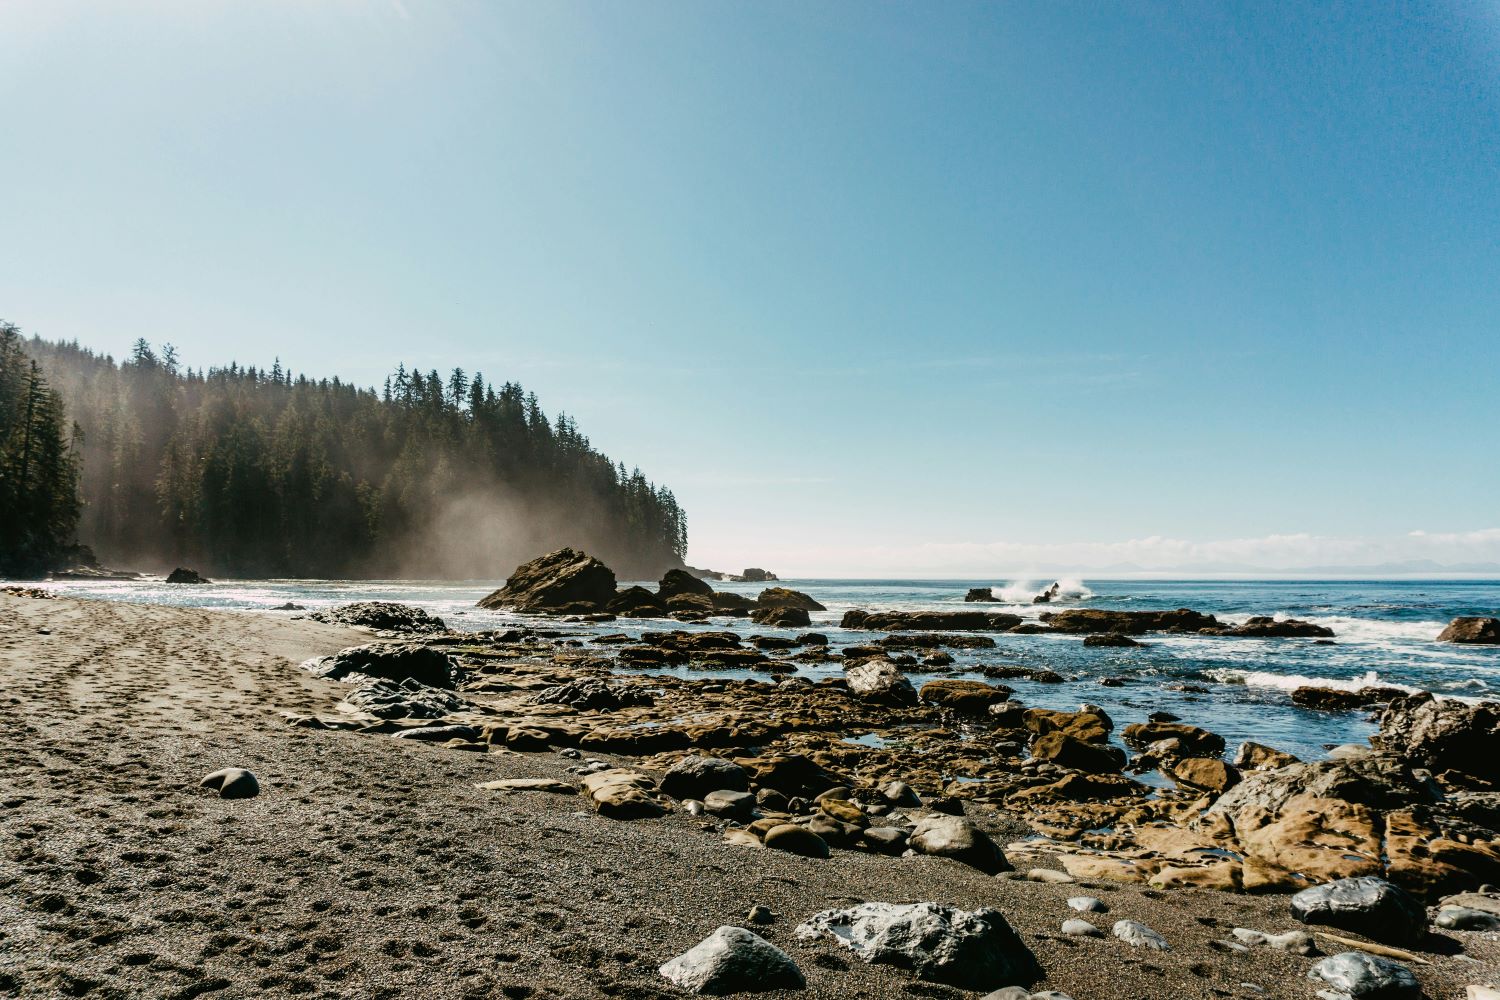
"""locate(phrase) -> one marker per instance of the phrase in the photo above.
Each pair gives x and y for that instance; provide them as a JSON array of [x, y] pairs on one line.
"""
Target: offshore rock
[[676, 581], [985, 595], [1479, 631], [781, 597], [781, 617], [1084, 620], [180, 575], [930, 621], [1267, 627], [970, 949], [562, 579], [733, 960]]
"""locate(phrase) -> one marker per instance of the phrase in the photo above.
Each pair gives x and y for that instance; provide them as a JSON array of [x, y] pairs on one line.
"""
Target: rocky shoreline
[[954, 772]]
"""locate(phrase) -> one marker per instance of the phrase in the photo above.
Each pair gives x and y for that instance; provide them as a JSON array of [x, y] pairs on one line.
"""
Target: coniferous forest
[[253, 472]]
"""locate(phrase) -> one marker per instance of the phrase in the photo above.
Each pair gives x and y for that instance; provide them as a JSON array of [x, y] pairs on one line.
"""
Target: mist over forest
[[255, 472]]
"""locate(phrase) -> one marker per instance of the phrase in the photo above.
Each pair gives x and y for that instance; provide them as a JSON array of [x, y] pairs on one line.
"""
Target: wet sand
[[372, 867]]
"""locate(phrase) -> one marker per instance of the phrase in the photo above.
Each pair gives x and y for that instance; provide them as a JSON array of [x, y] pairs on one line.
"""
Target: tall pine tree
[[39, 503]]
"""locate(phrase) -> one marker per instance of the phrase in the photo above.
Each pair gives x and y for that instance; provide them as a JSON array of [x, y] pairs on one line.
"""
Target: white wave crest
[[1022, 591], [1290, 682]]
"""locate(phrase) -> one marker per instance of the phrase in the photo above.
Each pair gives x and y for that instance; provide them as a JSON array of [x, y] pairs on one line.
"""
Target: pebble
[[1080, 928], [760, 914], [1357, 974], [232, 783], [1296, 942], [572, 753], [1049, 875], [1138, 935], [1088, 904], [734, 960]]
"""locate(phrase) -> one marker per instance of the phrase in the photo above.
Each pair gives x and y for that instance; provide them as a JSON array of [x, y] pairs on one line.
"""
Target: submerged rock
[[734, 960], [385, 615], [554, 582], [970, 949], [1369, 906]]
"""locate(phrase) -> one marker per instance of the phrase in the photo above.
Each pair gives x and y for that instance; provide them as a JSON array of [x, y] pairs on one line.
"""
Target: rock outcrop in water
[[1086, 620], [1474, 631], [982, 595], [180, 575], [930, 621], [563, 581]]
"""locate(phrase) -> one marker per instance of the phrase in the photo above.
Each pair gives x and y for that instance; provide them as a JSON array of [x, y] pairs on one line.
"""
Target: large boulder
[[983, 595], [1478, 631], [677, 581], [620, 793], [781, 597], [180, 575], [1369, 906], [1204, 774], [1444, 735], [398, 663], [974, 950], [879, 681], [694, 777], [559, 580], [1084, 620], [636, 602], [734, 960], [384, 615], [958, 838], [1362, 976], [779, 617]]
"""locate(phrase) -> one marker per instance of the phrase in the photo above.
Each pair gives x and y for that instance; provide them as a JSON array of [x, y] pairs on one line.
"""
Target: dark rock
[[929, 621], [1266, 627], [554, 582], [677, 581], [891, 840], [232, 783], [694, 777], [781, 617], [1478, 631], [975, 950], [180, 575], [1363, 976], [1366, 905], [1338, 700], [406, 699], [729, 804], [1049, 595], [733, 960], [813, 639], [289, 606], [933, 640], [384, 615], [438, 734], [727, 603], [756, 575], [1110, 639], [1444, 735], [636, 602], [422, 664], [1066, 751], [1085, 620], [1198, 742], [982, 594], [781, 597]]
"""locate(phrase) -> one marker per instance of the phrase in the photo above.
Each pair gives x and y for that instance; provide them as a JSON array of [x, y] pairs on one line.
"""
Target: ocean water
[[1239, 688]]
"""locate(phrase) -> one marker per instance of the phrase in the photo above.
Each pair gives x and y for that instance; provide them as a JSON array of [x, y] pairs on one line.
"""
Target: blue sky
[[969, 289]]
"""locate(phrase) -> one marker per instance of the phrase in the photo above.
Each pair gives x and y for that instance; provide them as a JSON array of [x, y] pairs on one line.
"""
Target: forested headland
[[260, 472]]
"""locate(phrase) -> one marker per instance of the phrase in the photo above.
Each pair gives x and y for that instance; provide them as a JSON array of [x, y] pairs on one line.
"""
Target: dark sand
[[371, 867]]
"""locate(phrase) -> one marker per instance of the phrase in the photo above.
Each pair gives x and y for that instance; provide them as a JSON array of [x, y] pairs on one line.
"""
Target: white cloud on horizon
[[1417, 551]]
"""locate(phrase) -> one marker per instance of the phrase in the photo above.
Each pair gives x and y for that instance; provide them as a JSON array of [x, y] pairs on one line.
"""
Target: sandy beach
[[373, 867]]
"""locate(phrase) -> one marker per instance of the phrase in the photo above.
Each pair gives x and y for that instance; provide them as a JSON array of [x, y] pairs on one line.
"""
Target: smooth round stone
[[1357, 974], [1088, 904], [232, 783], [796, 840], [1080, 928], [1138, 935], [760, 914]]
